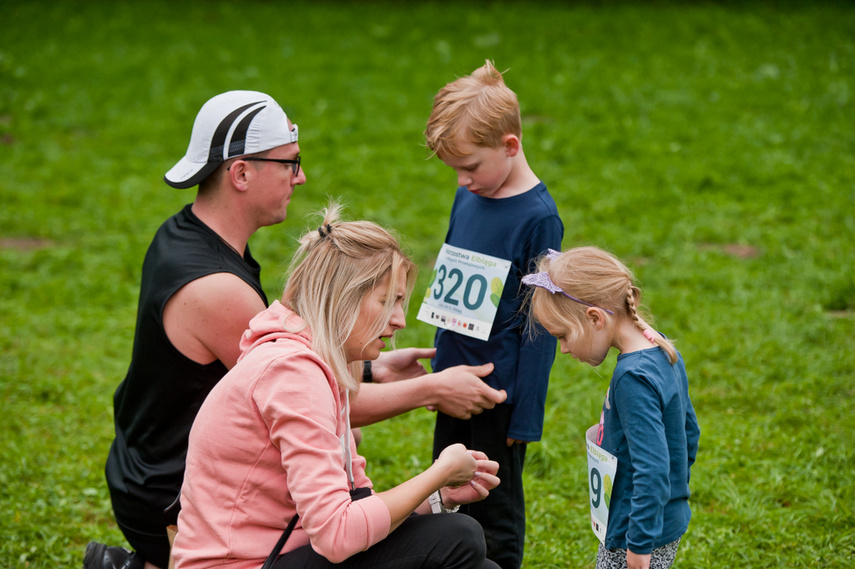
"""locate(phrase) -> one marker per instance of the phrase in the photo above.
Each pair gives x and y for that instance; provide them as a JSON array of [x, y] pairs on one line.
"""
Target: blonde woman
[[272, 443]]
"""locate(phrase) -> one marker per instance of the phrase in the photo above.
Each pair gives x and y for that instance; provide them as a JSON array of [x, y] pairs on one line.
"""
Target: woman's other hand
[[458, 464], [479, 486]]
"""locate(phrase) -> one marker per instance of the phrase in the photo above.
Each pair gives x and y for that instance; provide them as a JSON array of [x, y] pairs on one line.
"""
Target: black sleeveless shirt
[[155, 405]]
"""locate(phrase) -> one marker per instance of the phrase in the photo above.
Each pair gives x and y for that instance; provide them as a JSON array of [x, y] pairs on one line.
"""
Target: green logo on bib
[[496, 288]]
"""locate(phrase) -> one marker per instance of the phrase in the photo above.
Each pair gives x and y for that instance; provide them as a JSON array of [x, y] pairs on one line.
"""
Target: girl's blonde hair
[[334, 268], [478, 108], [594, 278]]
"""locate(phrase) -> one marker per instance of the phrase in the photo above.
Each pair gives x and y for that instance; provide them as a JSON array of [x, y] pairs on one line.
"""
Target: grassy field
[[710, 145]]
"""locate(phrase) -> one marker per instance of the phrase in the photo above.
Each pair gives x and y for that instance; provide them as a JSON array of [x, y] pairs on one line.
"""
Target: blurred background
[[710, 145]]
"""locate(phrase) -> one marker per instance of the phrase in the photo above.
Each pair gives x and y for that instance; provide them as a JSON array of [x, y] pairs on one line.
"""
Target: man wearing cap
[[200, 288]]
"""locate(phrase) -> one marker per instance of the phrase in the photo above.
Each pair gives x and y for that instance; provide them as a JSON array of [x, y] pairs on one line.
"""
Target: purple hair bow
[[542, 280]]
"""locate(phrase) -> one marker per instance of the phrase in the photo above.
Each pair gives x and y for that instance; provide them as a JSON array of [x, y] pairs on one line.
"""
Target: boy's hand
[[511, 442]]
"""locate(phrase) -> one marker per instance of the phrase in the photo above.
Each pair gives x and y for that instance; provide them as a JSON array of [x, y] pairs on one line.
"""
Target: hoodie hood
[[272, 324]]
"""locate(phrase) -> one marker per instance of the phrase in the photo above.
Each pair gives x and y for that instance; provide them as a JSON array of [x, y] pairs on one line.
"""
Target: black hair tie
[[321, 230]]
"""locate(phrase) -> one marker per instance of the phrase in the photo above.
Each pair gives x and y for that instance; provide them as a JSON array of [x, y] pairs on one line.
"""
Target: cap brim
[[186, 174]]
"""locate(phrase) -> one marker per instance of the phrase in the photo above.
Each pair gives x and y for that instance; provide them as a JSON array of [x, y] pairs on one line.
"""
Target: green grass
[[710, 145]]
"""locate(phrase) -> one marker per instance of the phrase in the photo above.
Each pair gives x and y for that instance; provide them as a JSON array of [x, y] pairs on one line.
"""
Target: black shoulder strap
[[271, 559], [355, 494]]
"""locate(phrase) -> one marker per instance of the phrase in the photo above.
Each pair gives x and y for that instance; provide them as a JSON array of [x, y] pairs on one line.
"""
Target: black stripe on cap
[[215, 155], [238, 143]]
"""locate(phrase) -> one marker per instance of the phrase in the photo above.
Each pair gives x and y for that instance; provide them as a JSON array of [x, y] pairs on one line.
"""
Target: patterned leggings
[[660, 558]]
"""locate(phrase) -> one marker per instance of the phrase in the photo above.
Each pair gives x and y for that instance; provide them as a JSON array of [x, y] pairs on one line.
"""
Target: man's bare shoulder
[[217, 286], [206, 317]]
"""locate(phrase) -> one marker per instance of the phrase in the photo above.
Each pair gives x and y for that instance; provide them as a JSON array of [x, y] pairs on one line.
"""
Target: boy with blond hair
[[502, 211]]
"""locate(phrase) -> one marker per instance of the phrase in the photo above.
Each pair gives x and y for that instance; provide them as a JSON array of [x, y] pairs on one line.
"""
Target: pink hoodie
[[267, 441]]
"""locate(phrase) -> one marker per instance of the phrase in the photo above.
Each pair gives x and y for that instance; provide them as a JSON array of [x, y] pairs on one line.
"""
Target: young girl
[[586, 298], [273, 438]]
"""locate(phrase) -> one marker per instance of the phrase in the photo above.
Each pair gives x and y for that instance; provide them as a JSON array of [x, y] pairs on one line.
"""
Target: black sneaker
[[100, 556]]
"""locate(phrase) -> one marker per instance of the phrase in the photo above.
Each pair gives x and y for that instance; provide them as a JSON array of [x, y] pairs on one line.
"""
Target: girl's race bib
[[601, 473]]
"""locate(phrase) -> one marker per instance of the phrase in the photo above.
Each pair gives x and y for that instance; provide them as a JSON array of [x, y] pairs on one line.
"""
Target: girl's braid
[[632, 297]]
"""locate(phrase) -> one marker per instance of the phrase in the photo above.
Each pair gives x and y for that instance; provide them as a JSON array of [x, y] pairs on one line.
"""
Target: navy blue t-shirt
[[519, 229]]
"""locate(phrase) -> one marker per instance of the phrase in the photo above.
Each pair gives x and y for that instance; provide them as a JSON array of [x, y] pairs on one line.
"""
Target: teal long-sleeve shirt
[[649, 424]]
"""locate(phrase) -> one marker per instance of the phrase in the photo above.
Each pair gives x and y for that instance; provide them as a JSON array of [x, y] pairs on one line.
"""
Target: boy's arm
[[536, 359], [536, 354]]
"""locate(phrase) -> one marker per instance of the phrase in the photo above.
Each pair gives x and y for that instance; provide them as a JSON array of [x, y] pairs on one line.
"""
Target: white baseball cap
[[231, 124]]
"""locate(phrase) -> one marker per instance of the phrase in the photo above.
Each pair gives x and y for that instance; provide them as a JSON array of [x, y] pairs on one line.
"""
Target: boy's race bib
[[464, 291], [601, 473]]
